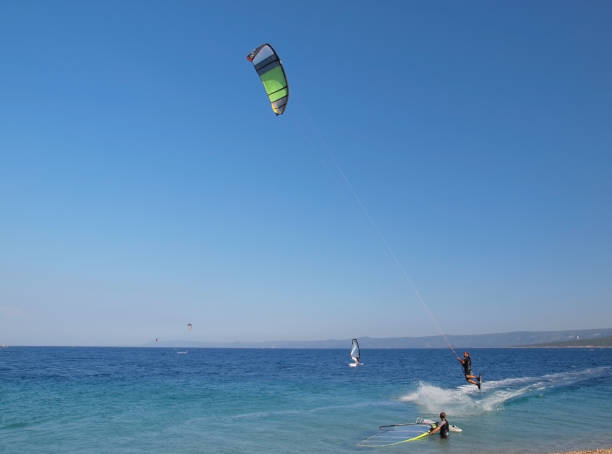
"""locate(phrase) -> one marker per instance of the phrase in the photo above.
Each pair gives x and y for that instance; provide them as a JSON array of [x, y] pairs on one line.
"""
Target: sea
[[168, 400]]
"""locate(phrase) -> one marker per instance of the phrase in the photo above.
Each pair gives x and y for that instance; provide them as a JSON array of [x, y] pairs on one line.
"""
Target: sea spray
[[468, 400]]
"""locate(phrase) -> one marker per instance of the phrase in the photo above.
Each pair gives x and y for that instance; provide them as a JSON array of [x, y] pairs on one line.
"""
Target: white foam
[[468, 400], [460, 400], [555, 379]]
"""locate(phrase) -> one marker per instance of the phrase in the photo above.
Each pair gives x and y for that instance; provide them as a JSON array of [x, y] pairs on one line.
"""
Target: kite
[[272, 74]]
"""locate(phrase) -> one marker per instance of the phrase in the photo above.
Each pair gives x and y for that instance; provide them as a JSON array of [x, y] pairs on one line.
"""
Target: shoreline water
[[299, 401], [590, 451]]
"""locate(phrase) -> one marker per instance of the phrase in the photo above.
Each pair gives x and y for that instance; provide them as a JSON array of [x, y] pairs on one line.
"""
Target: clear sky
[[145, 182]]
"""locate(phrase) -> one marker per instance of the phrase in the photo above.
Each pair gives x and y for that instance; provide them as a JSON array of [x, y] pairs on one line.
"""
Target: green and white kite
[[272, 74]]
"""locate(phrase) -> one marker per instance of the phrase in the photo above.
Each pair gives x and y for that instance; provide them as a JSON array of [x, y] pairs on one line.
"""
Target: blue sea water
[[132, 400]]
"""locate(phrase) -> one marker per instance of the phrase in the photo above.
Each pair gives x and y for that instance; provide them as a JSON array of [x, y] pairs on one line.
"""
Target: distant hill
[[597, 342], [494, 340]]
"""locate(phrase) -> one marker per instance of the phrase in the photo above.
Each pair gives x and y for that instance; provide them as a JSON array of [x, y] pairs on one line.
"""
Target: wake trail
[[467, 400]]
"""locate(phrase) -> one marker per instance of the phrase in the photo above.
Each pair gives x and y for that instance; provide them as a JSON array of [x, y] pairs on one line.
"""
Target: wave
[[468, 400]]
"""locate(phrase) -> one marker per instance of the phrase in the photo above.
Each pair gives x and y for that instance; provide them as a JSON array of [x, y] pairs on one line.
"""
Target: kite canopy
[[272, 74]]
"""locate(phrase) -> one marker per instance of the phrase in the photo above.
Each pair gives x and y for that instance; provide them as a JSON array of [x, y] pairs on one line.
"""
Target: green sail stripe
[[278, 95]]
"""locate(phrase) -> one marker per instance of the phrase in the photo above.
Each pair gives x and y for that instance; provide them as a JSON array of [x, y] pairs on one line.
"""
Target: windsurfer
[[355, 353], [442, 426]]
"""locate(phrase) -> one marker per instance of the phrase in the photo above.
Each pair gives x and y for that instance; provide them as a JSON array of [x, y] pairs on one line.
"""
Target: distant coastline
[[563, 346], [600, 342], [585, 339], [519, 339]]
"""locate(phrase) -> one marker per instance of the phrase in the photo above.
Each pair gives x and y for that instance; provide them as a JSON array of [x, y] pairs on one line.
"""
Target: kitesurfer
[[466, 362], [442, 426]]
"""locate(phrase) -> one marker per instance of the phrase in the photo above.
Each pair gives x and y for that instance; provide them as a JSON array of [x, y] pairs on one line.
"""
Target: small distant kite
[[272, 74], [189, 326]]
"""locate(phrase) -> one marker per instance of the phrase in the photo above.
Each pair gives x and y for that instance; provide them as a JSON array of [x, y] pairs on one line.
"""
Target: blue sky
[[146, 183]]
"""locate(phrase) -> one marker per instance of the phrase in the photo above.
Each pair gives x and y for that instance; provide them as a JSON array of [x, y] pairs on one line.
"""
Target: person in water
[[466, 362], [442, 426]]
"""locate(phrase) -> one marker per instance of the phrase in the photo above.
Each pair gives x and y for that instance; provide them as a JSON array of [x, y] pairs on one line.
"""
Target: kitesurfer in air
[[466, 362], [442, 426]]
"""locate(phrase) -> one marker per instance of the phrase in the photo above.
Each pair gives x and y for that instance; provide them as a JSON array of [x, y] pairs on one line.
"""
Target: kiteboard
[[355, 364]]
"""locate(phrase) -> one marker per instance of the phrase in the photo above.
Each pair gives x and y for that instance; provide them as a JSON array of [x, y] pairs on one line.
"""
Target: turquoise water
[[297, 401]]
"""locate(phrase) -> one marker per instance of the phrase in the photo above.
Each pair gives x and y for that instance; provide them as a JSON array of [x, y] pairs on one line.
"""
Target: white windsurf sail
[[355, 353]]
